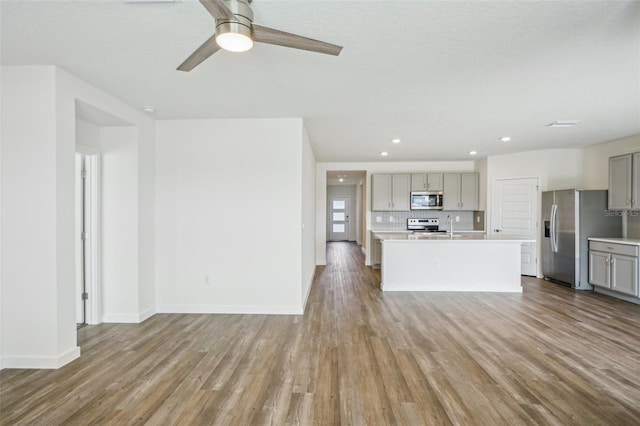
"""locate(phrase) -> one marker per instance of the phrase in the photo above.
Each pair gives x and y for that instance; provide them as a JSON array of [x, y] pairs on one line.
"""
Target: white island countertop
[[442, 262], [466, 236]]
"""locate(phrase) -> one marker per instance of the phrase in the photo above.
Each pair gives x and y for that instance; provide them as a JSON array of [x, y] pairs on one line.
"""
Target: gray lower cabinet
[[376, 252], [614, 266]]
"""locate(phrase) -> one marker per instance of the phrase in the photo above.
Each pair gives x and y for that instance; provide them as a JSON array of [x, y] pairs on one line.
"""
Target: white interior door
[[338, 219], [514, 213]]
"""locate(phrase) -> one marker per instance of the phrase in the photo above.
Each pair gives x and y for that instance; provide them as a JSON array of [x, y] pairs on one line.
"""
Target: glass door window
[[339, 219]]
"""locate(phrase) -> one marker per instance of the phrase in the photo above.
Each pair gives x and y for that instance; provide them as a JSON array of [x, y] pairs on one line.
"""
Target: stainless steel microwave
[[426, 200]]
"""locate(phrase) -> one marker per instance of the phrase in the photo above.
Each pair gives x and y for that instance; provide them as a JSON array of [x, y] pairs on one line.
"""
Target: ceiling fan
[[236, 32]]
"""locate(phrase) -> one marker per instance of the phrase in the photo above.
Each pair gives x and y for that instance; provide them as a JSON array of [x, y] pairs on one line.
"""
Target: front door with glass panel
[[339, 219]]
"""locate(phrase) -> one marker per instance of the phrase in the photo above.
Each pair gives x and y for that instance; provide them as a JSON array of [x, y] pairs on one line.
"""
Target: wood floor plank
[[357, 356]]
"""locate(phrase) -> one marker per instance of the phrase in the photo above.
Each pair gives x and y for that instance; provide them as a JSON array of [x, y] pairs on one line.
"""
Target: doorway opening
[[346, 191], [87, 235]]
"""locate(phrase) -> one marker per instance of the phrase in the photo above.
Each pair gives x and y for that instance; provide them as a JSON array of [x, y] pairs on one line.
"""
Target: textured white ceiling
[[445, 76]]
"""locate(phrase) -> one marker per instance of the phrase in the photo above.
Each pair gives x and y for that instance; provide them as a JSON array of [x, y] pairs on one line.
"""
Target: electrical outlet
[[478, 219], [378, 219], [390, 218], [457, 218]]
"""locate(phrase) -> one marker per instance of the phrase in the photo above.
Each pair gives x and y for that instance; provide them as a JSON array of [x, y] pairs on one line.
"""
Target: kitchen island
[[445, 262]]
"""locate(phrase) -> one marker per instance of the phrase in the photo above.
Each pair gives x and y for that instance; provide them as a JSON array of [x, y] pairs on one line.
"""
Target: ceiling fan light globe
[[234, 36], [234, 42]]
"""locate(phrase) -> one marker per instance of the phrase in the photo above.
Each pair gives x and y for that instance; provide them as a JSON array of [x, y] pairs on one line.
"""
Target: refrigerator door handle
[[554, 234]]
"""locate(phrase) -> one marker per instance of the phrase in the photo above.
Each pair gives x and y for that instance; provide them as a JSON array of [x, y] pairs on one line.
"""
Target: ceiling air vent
[[564, 123]]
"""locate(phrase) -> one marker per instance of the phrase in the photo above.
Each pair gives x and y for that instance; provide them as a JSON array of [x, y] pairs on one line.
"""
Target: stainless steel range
[[424, 225]]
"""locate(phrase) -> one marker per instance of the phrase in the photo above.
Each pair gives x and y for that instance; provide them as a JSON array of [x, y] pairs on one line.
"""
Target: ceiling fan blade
[[218, 9], [207, 49], [281, 38]]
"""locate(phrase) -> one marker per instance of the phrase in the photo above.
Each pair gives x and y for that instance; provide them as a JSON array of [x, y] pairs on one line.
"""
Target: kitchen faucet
[[450, 222]]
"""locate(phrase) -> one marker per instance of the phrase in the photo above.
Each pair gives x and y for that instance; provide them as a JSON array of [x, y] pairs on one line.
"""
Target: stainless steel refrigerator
[[569, 217]]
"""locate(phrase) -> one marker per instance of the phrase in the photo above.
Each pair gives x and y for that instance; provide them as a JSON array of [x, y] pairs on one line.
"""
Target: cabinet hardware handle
[[606, 261]]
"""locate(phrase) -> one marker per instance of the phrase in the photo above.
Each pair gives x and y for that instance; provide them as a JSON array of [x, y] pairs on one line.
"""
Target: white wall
[[350, 191], [120, 245], [391, 167], [229, 215], [308, 171], [29, 239], [596, 160], [38, 262]]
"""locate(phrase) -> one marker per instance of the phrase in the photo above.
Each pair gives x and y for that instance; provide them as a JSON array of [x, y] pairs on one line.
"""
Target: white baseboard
[[42, 362], [306, 297], [129, 318], [147, 313], [229, 309]]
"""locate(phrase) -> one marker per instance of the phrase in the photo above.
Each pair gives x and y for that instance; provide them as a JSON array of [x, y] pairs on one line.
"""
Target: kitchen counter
[[442, 262], [457, 236], [617, 240]]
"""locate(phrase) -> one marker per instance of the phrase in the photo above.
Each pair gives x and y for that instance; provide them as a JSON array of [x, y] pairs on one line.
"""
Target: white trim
[[147, 313], [229, 309], [43, 362], [129, 318], [306, 297], [94, 218]]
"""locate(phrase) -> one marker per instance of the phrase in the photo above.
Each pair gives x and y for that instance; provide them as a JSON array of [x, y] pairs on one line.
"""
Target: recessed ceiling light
[[149, 109], [384, 153], [396, 140], [473, 152], [564, 123], [505, 138]]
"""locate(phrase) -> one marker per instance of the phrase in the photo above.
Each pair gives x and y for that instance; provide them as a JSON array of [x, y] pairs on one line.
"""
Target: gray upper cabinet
[[401, 191], [426, 182], [635, 181], [620, 182], [419, 182], [434, 181], [380, 192], [390, 192], [460, 191]]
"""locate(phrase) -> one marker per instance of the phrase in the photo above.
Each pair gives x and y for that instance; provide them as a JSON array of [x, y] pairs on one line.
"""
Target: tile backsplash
[[397, 221]]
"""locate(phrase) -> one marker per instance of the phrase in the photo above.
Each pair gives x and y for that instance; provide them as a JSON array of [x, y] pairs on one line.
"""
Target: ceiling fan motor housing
[[242, 23]]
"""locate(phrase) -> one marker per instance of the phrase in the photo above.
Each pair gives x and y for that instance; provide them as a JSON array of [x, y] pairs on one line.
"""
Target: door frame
[[93, 254]]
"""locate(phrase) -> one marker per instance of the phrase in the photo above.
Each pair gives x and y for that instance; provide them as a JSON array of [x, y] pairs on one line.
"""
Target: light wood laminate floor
[[356, 357]]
